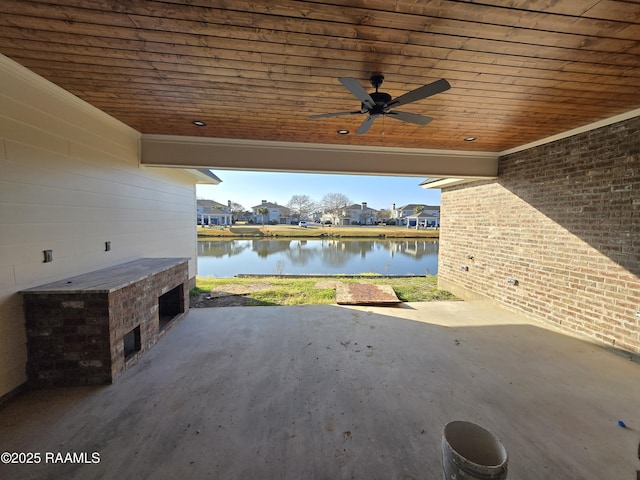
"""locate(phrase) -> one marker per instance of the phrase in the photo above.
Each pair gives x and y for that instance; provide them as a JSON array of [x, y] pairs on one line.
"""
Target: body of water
[[226, 258]]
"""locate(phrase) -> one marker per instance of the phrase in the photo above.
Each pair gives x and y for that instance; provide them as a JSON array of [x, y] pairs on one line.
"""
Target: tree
[[236, 210], [301, 205], [417, 210], [263, 211], [333, 203], [384, 214]]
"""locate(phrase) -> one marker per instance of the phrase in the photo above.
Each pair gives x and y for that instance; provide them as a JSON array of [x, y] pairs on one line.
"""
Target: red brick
[[564, 220]]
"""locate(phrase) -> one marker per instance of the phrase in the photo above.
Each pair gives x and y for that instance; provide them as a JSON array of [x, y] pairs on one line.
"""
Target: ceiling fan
[[378, 104]]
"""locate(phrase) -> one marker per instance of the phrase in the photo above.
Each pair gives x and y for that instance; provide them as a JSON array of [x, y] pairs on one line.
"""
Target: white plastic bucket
[[469, 452]]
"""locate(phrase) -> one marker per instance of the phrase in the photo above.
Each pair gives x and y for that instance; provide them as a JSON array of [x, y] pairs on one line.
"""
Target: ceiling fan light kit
[[377, 104]]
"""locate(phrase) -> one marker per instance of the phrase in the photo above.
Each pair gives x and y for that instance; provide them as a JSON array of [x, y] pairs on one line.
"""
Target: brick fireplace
[[87, 329]]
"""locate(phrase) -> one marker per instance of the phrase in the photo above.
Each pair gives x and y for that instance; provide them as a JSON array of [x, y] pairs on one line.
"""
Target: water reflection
[[226, 258]]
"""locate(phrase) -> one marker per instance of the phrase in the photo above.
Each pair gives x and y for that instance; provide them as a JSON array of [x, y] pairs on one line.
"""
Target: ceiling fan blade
[[337, 114], [410, 117], [419, 93], [366, 125], [358, 91]]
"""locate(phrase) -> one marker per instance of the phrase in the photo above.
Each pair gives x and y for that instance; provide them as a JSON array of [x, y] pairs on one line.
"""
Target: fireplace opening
[[132, 343], [170, 305]]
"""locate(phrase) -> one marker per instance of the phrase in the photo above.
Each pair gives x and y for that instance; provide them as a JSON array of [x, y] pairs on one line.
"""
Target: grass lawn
[[314, 290], [370, 231]]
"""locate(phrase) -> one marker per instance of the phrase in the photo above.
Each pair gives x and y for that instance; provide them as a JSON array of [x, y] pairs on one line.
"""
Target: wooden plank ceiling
[[520, 70]]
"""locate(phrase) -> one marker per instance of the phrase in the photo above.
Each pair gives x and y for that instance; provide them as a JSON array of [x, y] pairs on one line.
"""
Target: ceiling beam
[[229, 154]]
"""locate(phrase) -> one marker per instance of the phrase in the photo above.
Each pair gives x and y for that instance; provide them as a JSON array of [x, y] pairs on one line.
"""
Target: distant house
[[423, 220], [277, 213], [356, 214], [210, 212], [430, 213]]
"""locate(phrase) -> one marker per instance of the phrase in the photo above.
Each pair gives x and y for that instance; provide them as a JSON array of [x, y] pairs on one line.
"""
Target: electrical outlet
[[638, 314]]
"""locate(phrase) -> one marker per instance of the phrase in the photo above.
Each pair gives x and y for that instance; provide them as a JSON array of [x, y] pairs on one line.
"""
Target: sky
[[380, 192]]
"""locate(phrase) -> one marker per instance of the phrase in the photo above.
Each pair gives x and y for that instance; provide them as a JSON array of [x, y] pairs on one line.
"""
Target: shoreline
[[293, 231]]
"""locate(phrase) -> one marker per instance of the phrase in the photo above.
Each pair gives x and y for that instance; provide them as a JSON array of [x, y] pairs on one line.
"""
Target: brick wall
[[137, 305], [67, 339], [563, 219]]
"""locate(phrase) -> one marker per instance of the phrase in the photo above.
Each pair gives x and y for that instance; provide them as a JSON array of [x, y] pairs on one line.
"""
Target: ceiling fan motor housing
[[380, 99]]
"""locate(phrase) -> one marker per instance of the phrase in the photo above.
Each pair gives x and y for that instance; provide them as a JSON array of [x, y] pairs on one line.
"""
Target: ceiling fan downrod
[[379, 98]]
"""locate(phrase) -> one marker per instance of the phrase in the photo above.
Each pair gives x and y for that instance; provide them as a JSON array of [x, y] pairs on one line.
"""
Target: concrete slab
[[365, 294], [331, 392]]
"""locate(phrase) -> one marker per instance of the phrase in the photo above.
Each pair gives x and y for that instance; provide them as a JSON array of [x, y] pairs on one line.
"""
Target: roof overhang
[[449, 182], [203, 176]]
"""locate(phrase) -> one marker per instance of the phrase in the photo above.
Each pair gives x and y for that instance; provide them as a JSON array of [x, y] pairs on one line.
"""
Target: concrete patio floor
[[332, 392]]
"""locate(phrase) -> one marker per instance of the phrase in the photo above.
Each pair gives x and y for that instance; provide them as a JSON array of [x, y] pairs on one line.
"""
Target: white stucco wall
[[70, 180]]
